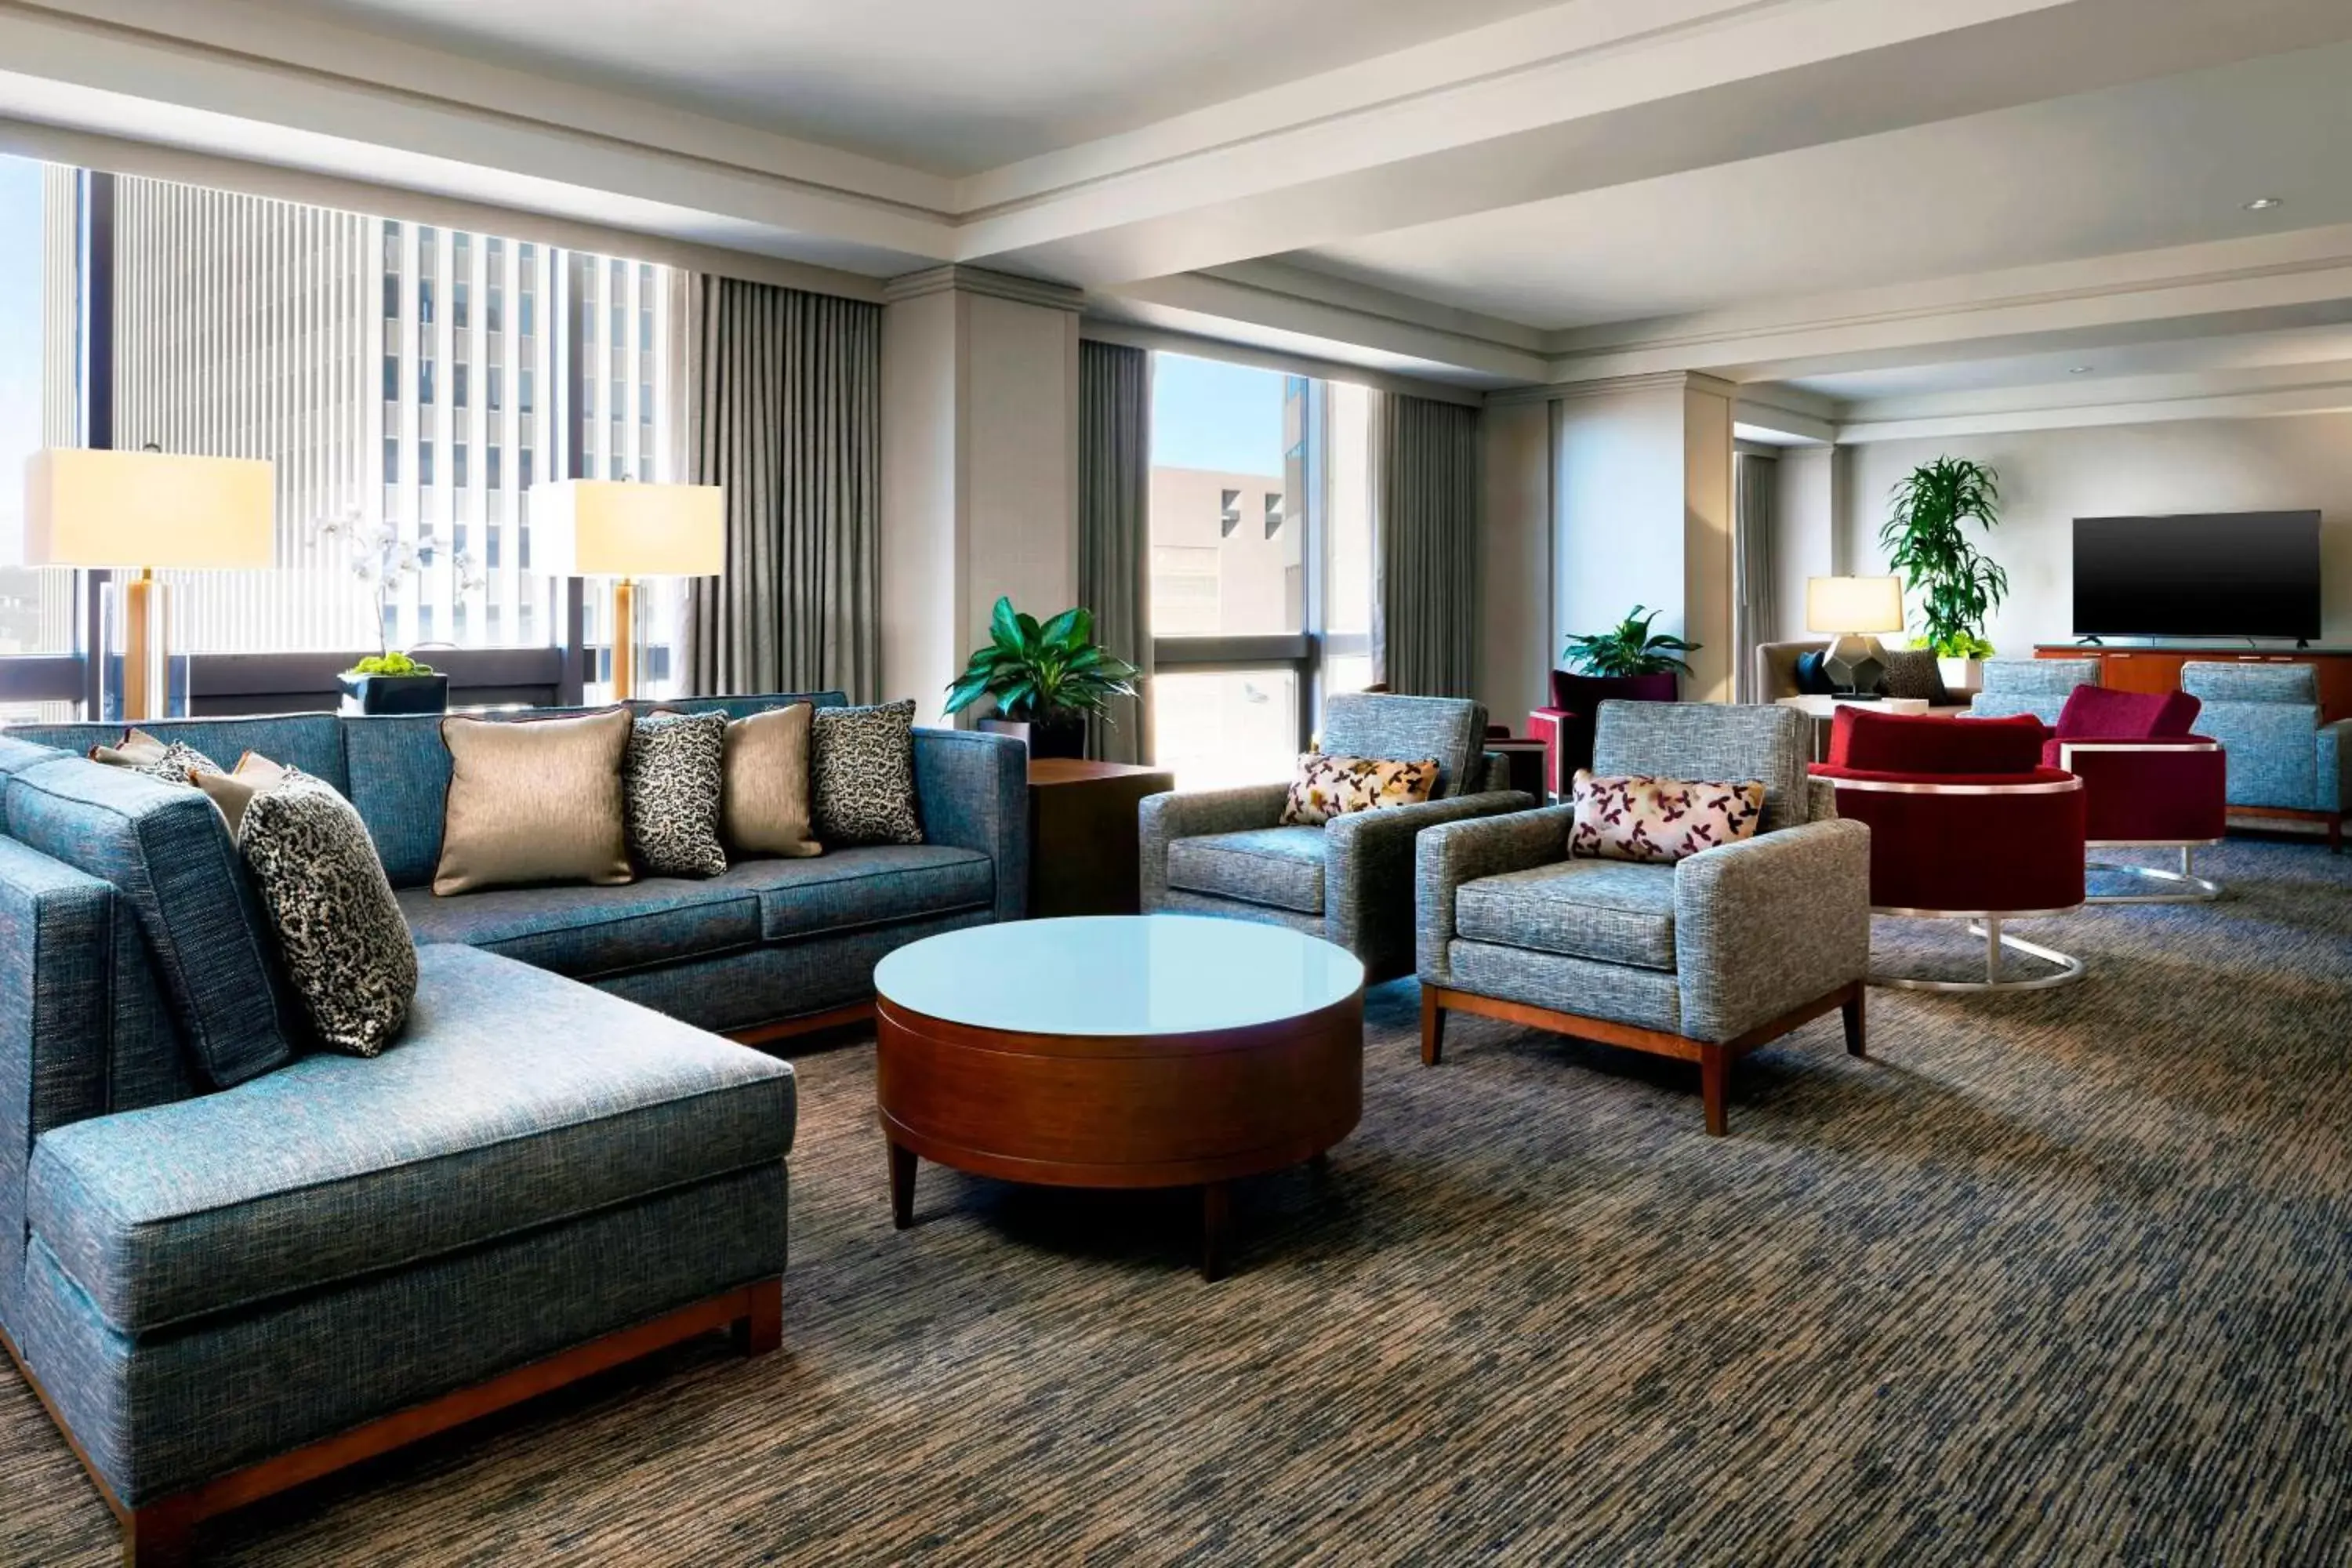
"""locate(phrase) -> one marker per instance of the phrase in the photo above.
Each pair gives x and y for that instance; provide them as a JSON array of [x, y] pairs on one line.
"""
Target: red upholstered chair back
[[2100, 713], [1934, 743]]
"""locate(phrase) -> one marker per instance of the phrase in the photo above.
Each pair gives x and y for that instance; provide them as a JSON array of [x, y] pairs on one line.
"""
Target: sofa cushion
[[1281, 867], [167, 849], [877, 884], [2102, 713], [516, 1099], [585, 933], [1614, 911], [538, 800]]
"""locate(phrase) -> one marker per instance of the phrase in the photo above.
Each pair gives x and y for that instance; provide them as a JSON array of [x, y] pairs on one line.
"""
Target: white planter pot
[[1961, 674]]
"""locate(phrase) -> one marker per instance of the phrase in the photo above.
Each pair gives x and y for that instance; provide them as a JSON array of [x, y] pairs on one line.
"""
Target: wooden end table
[[1117, 1051], [1083, 852]]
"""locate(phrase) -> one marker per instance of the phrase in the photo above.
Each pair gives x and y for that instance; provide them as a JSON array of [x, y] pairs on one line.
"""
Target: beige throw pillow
[[764, 807], [234, 791], [534, 800]]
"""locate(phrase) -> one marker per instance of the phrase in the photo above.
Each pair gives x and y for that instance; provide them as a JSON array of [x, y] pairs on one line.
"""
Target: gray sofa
[[1225, 852], [222, 1291], [1701, 960]]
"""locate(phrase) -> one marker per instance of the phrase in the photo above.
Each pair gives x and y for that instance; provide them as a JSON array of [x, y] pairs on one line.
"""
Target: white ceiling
[[2090, 371], [2156, 163], [951, 86]]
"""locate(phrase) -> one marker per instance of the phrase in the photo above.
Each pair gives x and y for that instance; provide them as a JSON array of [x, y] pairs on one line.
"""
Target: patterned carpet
[[2056, 1278]]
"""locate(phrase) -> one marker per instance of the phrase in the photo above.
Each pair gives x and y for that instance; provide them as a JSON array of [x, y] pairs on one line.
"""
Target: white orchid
[[382, 558]]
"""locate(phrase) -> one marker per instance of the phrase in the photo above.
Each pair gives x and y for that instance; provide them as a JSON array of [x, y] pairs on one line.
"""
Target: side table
[[1083, 852]]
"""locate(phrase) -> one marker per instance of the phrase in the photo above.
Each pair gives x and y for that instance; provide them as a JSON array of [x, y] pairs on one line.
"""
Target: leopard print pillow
[[862, 775], [1659, 820], [670, 785], [347, 947]]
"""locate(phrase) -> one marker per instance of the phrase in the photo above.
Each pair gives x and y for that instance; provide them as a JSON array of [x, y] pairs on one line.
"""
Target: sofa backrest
[[1938, 744], [311, 742], [2102, 713], [1713, 743], [2213, 680], [1412, 729], [2035, 686], [1776, 667]]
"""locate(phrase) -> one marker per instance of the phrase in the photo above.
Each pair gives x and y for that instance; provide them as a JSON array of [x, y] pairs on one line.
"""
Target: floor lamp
[[628, 532], [141, 512]]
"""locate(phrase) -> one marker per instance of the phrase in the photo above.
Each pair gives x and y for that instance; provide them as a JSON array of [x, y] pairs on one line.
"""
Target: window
[[1260, 601], [458, 380], [496, 388], [40, 384]]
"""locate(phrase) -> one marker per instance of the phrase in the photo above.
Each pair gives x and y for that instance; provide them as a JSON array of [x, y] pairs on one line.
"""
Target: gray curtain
[[787, 409], [1424, 495], [1115, 527], [1751, 568]]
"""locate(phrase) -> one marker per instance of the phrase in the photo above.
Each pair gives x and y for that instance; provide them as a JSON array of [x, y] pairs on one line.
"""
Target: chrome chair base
[[2167, 886], [2070, 968]]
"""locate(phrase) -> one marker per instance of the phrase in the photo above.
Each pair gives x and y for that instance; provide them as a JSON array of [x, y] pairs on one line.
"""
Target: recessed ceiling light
[[2265, 204], [2078, 370]]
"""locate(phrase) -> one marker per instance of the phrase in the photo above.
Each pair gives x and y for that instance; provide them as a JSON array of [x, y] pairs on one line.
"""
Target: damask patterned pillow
[[1325, 787], [862, 775], [347, 948], [1912, 672], [172, 760], [1659, 821], [671, 783]]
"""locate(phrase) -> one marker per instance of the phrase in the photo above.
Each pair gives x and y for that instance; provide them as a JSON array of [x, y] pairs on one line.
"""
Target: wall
[[1517, 646], [921, 566], [1619, 495], [1804, 533], [1708, 586], [2048, 478]]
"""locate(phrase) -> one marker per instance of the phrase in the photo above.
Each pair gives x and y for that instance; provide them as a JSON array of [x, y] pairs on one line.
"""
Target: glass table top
[[1119, 974]]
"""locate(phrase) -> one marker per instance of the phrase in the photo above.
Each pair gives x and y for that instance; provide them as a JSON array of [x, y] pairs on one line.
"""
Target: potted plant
[[1045, 679], [1956, 587], [1647, 661], [389, 681]]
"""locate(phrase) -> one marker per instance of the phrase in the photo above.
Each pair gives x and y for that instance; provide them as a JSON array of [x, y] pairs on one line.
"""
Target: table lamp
[[141, 512], [1852, 610], [627, 531]]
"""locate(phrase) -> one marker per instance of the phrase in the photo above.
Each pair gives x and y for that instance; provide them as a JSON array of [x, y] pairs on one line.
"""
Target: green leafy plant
[[1926, 541], [1630, 649], [1053, 673], [392, 664]]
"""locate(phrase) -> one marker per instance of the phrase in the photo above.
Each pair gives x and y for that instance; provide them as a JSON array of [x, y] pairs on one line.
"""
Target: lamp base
[[140, 678], [1852, 663]]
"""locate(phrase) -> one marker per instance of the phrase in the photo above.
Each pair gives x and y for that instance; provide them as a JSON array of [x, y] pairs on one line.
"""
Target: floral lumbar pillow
[[1659, 821], [1326, 787], [346, 945]]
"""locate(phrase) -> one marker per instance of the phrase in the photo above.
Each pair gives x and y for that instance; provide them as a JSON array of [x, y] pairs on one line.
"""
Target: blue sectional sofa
[[221, 1291]]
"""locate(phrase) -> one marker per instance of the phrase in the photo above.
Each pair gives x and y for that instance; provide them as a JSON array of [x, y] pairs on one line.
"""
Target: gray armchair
[[2283, 761], [1703, 960], [1224, 852]]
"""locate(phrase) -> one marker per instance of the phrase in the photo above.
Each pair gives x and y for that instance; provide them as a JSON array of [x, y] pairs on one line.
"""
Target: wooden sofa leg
[[1858, 1036], [161, 1535], [762, 1329], [2335, 833], [1714, 1083], [1432, 1028]]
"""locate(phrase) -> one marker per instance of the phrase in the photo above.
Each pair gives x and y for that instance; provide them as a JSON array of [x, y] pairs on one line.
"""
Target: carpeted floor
[[2057, 1278]]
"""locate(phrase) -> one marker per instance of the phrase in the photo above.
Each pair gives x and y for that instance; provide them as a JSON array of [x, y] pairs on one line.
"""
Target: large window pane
[[1228, 556], [39, 392], [1219, 728]]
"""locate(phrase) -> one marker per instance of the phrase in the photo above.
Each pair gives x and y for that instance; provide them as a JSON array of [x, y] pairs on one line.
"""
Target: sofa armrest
[[2334, 764], [1454, 853], [1769, 923], [973, 790], [1367, 871], [1162, 819]]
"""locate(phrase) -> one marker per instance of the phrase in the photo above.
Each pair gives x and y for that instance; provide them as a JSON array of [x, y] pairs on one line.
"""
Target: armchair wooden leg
[[1433, 1026], [1857, 1038], [2335, 833], [161, 1535], [1714, 1083]]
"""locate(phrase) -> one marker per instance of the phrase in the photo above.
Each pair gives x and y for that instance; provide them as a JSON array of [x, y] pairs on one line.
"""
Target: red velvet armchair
[[2149, 784], [1965, 823], [1566, 727]]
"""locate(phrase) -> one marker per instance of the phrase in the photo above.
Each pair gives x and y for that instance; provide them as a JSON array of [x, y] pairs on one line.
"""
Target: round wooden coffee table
[[1117, 1051]]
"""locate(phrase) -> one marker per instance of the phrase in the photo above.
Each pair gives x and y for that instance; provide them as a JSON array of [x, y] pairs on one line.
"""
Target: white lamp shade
[[89, 508], [1854, 604], [617, 528]]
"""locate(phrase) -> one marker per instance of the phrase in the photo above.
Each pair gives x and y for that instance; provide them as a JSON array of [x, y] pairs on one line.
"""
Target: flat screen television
[[2240, 574]]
